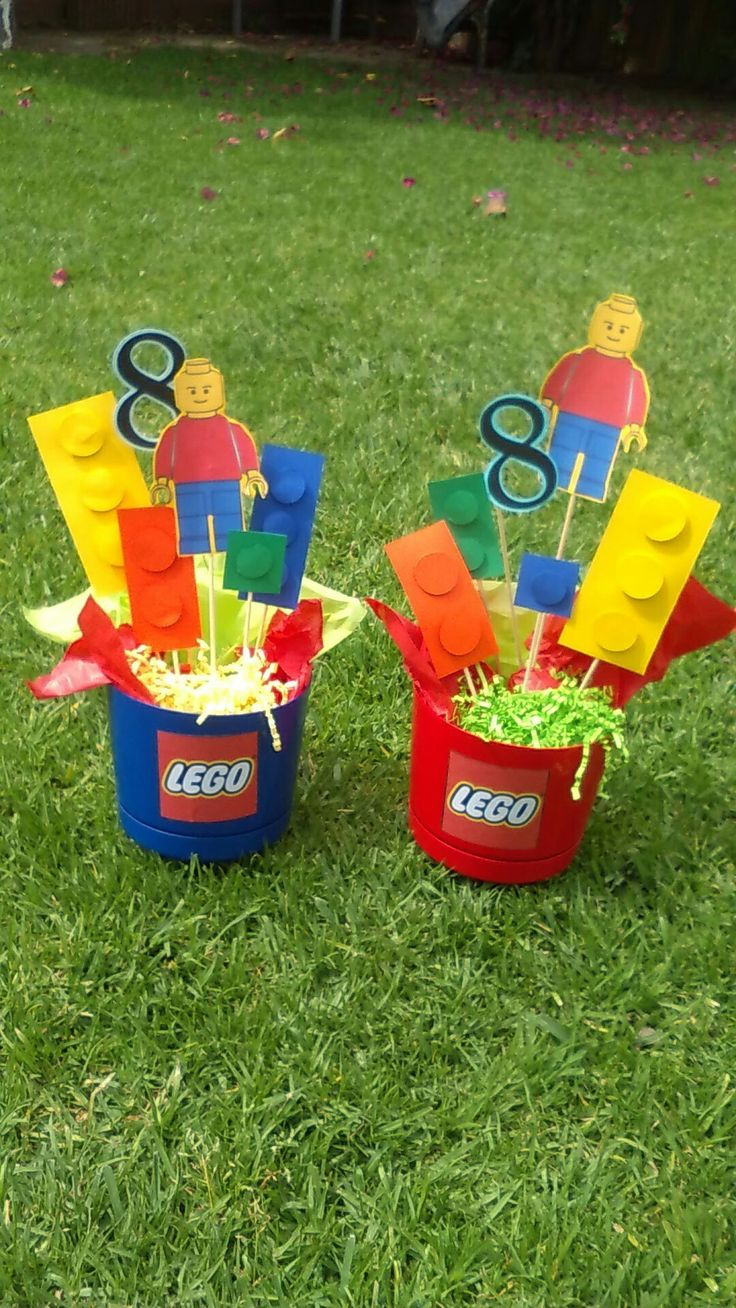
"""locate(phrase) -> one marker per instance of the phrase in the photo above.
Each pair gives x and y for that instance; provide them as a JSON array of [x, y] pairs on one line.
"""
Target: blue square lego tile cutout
[[547, 585]]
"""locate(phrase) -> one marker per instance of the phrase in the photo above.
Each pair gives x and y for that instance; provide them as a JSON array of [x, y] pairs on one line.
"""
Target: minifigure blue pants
[[196, 501], [597, 441]]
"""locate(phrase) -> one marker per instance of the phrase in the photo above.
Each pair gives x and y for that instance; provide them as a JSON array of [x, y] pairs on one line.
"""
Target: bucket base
[[209, 848], [502, 871]]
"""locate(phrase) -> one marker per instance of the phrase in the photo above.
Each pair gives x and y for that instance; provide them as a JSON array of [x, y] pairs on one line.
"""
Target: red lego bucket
[[496, 812]]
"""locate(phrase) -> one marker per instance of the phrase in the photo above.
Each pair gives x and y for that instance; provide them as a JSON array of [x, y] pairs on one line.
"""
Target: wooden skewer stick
[[246, 624], [481, 673], [589, 674], [539, 624], [262, 629], [211, 595], [572, 488], [509, 585], [175, 660], [469, 681], [533, 649]]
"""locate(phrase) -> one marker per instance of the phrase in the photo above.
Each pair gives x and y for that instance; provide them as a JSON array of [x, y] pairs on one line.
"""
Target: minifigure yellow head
[[615, 327], [199, 390]]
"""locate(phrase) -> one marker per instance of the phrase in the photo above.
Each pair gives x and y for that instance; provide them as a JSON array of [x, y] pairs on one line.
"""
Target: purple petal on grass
[[712, 181], [59, 277], [408, 182], [207, 193], [262, 134]]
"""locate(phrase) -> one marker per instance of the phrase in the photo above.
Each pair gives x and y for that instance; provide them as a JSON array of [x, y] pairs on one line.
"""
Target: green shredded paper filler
[[545, 719]]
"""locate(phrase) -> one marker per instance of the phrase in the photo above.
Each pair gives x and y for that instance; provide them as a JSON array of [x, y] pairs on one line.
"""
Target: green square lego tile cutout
[[462, 502], [254, 562]]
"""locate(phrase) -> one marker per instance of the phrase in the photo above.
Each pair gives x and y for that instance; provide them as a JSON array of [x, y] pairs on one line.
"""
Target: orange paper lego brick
[[161, 583], [644, 558], [445, 603], [93, 474]]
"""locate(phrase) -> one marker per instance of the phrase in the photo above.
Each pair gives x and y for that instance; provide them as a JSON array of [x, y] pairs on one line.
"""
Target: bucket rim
[[538, 750], [180, 717]]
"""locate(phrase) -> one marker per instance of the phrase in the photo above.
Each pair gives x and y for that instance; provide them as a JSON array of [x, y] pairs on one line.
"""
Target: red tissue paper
[[409, 641], [698, 619], [294, 639], [96, 659]]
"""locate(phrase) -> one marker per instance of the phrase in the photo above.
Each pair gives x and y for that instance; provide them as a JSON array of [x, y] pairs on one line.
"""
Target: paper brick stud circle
[[154, 550], [663, 516], [288, 488], [281, 524], [460, 633], [461, 508], [474, 554], [81, 436], [614, 632], [550, 588], [161, 604], [100, 490], [639, 575], [436, 573], [253, 560]]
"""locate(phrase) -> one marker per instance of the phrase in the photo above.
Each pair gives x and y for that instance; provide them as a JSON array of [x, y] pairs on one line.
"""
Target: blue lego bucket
[[219, 790]]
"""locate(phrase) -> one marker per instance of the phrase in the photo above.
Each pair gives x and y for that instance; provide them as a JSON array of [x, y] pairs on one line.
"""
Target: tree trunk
[[6, 24]]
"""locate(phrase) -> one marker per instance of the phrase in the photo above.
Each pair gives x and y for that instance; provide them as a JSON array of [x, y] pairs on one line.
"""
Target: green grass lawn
[[337, 1074]]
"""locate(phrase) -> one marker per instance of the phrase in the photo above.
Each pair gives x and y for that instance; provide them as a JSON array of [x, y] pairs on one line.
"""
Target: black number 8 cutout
[[522, 449], [152, 386]]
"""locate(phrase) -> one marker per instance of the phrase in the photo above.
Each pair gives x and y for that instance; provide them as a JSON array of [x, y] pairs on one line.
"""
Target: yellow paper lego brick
[[644, 558], [93, 473]]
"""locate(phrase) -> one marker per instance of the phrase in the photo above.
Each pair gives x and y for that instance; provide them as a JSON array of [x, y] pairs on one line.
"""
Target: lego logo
[[207, 780], [496, 808]]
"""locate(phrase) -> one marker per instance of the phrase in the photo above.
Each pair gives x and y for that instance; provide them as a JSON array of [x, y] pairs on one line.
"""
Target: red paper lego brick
[[161, 583]]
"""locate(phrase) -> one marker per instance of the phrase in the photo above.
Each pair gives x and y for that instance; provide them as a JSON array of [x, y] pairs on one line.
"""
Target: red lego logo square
[[491, 806], [207, 778]]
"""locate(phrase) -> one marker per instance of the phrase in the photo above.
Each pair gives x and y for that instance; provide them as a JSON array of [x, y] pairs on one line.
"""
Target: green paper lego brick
[[254, 562], [464, 505]]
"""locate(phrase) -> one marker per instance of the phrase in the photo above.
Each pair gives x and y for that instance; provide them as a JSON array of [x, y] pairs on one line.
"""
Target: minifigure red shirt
[[204, 449], [598, 386]]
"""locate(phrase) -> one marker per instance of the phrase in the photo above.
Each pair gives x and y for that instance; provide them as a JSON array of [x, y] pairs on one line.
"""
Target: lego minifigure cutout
[[203, 457], [599, 398]]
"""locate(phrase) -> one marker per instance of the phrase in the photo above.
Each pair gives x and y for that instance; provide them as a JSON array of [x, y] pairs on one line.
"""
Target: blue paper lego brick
[[547, 585], [288, 509]]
